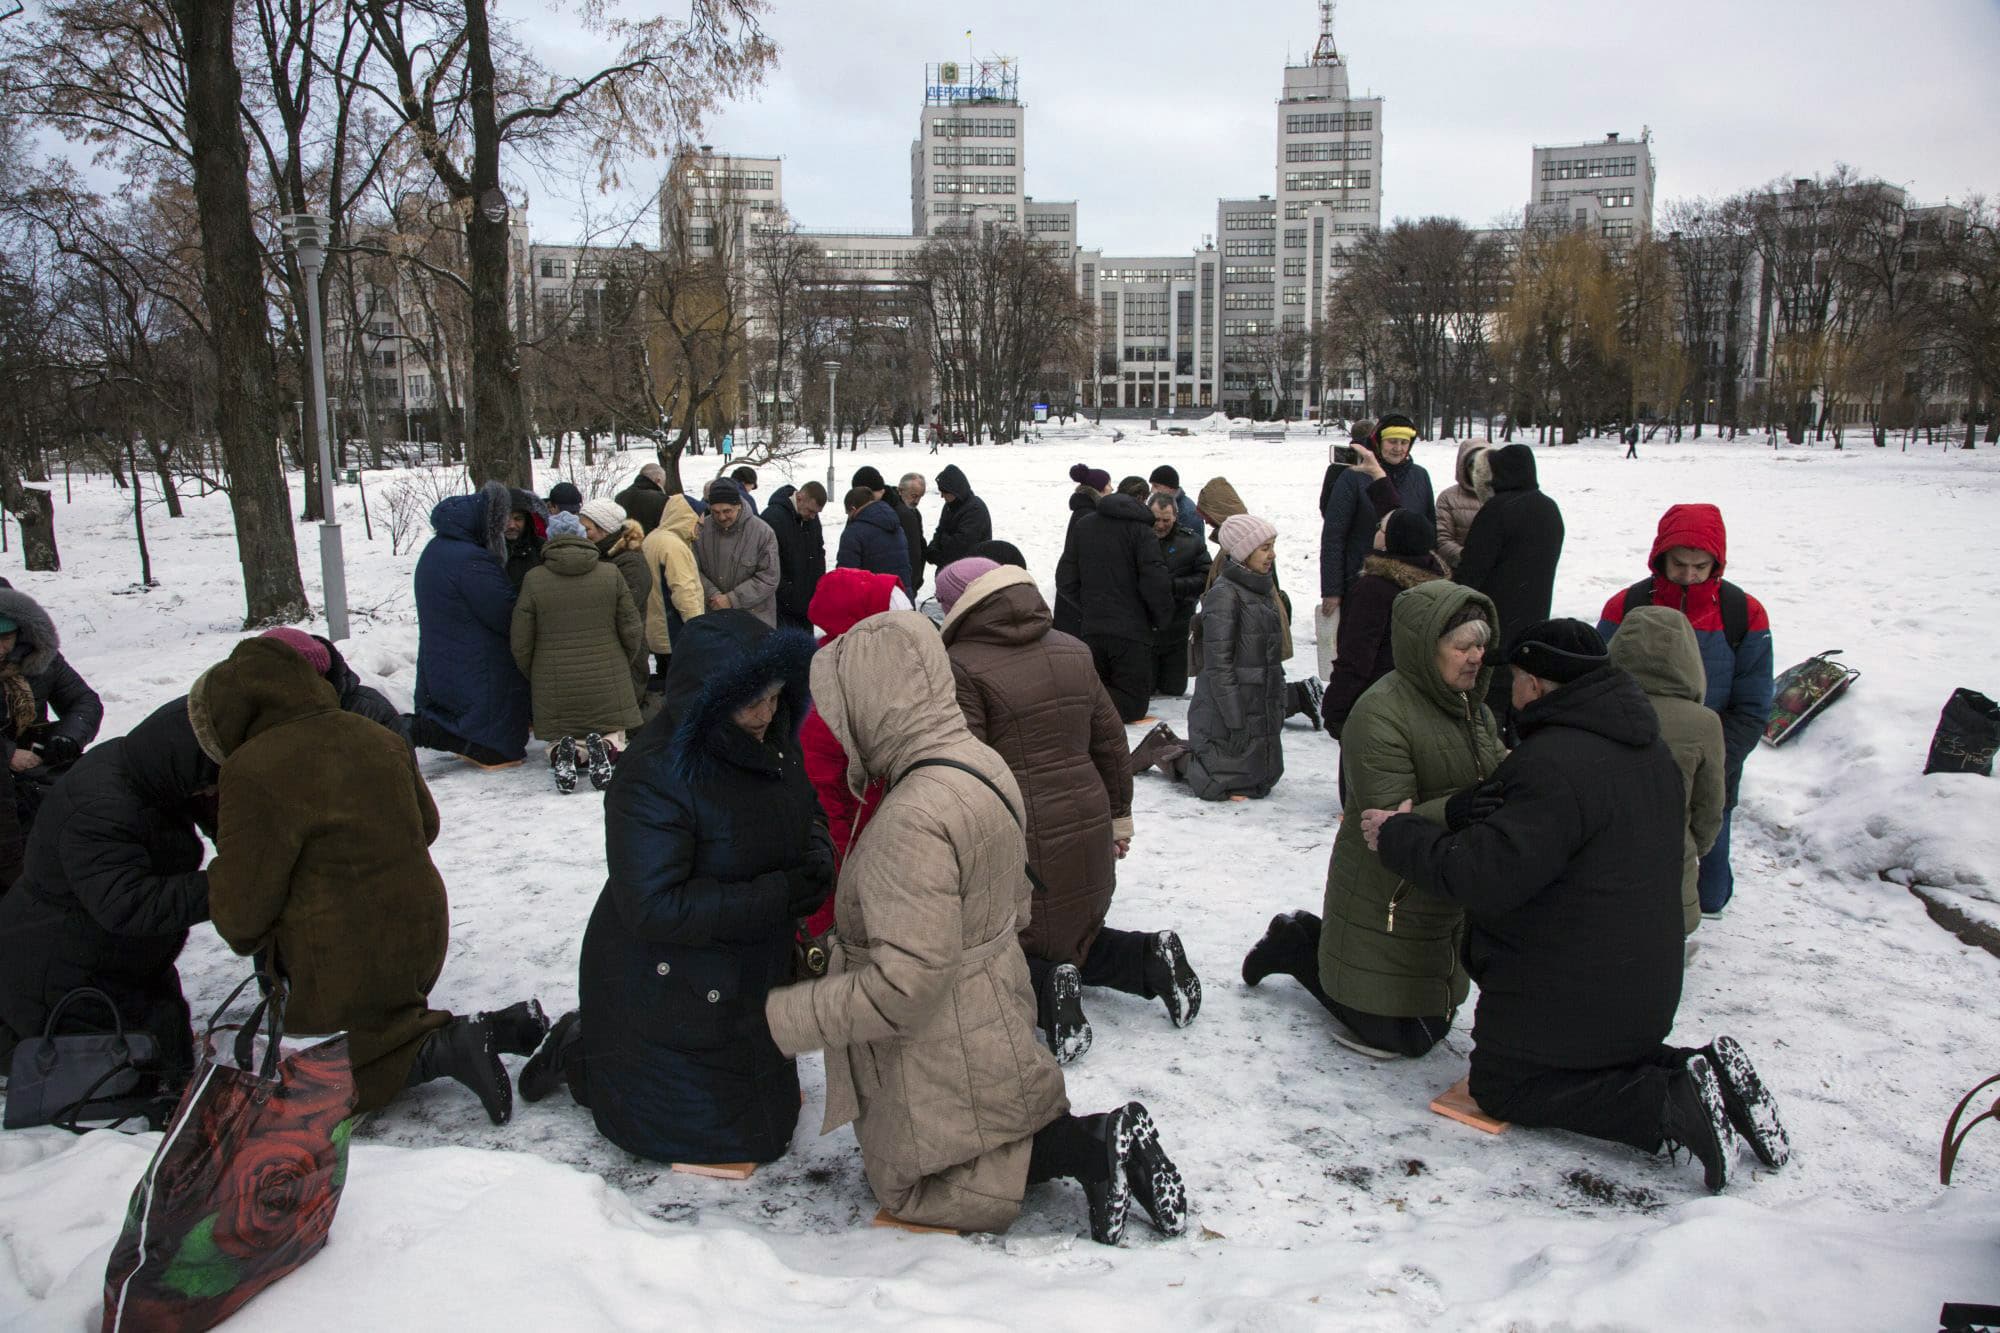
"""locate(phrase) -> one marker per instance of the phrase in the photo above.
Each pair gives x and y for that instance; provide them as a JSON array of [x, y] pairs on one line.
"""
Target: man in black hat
[[1567, 864], [1167, 481]]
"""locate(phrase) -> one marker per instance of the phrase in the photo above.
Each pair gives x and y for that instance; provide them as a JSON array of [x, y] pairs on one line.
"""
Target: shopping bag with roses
[[243, 1187]]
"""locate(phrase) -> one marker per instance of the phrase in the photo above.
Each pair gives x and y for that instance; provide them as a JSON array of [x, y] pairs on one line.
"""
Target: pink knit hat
[[956, 577], [1243, 534], [304, 644]]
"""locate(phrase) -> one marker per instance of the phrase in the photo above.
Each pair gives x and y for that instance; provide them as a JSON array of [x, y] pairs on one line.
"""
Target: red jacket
[[843, 599]]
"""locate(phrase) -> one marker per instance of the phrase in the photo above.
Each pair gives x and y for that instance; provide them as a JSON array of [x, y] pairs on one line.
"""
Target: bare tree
[[1710, 243]]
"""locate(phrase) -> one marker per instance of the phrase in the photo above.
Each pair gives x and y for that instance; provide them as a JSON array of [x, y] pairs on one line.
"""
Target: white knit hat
[[1242, 534], [606, 514]]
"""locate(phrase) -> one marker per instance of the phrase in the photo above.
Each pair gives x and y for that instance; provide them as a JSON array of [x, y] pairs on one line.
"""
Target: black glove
[[59, 751], [808, 883], [1472, 805]]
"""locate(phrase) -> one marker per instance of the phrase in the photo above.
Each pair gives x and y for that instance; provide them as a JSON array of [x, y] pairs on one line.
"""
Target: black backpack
[[1735, 605]]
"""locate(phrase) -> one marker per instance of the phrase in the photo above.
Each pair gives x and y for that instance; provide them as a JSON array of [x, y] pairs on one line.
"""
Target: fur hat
[[1094, 477], [956, 577], [305, 645], [1244, 533], [1409, 533], [606, 514], [1559, 650], [1164, 475], [565, 524]]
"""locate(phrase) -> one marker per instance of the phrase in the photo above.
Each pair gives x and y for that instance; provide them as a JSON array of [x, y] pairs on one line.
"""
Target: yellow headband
[[1398, 433]]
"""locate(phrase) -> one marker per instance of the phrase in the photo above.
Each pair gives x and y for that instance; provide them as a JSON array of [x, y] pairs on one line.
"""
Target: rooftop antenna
[[1326, 53]]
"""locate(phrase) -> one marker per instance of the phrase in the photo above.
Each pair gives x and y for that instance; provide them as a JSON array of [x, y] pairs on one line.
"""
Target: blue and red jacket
[[1739, 679]]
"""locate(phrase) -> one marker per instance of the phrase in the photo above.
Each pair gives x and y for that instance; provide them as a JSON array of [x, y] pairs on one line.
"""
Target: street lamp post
[[307, 235], [832, 422]]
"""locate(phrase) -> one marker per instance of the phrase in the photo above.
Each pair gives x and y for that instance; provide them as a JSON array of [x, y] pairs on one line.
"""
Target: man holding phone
[[1348, 529]]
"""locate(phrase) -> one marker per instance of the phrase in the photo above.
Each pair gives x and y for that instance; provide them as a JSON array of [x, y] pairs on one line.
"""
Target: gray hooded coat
[[1238, 711]]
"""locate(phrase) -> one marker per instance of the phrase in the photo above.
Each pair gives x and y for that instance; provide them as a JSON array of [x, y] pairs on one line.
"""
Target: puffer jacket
[[1460, 502], [674, 593], [1366, 646], [52, 684], [575, 634], [333, 877], [963, 524], [467, 682], [1034, 696], [1068, 614], [1514, 545], [928, 1021], [1388, 947], [111, 885], [1113, 571], [1657, 648], [873, 540], [1236, 720], [1218, 501], [1187, 560], [694, 925], [741, 563]]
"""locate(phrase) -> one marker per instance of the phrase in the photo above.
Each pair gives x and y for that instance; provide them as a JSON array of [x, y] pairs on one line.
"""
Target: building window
[[972, 127], [382, 356], [1588, 168], [1295, 296], [1331, 151], [1238, 249], [974, 185], [1049, 222], [732, 180], [1243, 328], [419, 386], [554, 268], [1147, 275], [1249, 272], [1248, 221], [1623, 200], [972, 157], [1330, 122], [1246, 301], [1295, 267], [1618, 229], [1328, 180], [1295, 238]]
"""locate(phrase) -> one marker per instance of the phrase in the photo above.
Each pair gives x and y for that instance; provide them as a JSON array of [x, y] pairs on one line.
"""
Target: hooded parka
[[1367, 651], [575, 635], [467, 682], [873, 540], [1460, 503], [48, 682], [1033, 695], [1237, 717], [1388, 947], [321, 858], [1657, 648], [1513, 547], [693, 927], [674, 593], [928, 1018], [1068, 616], [963, 524]]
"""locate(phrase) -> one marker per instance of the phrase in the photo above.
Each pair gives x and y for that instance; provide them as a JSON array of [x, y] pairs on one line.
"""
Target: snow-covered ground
[[1325, 1194]]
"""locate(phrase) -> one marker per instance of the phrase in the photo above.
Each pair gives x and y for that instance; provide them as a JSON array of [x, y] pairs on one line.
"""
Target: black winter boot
[[519, 1028], [1061, 1007], [1288, 941], [562, 758], [1138, 1167], [597, 758], [1153, 747], [463, 1049], [1169, 977], [1752, 1111], [1695, 1120], [547, 1066], [1303, 696]]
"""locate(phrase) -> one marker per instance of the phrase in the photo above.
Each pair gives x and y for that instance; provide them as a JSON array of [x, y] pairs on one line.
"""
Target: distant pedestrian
[[1092, 485], [1632, 442]]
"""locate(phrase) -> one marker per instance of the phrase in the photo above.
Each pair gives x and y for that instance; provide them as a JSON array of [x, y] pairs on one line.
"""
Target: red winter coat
[[844, 598]]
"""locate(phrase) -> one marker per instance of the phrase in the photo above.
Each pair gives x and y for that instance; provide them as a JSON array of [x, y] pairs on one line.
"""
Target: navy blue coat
[[873, 540], [1347, 533], [467, 682], [693, 928]]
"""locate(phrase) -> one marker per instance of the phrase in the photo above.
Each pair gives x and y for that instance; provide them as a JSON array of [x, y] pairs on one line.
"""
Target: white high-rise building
[[968, 161], [1604, 185]]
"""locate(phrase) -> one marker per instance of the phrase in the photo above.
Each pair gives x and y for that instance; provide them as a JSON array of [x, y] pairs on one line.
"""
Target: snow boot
[[1279, 950], [546, 1067], [463, 1049], [519, 1028], [562, 758], [1169, 977], [1155, 1182], [1154, 746], [598, 757], [1303, 696], [1063, 1024], [1695, 1120], [1752, 1111]]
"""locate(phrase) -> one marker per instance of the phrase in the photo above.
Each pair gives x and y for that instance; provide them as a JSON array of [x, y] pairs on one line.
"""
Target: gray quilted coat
[[1238, 712]]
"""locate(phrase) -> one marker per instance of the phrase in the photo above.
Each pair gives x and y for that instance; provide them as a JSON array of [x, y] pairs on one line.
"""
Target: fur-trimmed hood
[[37, 631], [1402, 571], [722, 661], [479, 518]]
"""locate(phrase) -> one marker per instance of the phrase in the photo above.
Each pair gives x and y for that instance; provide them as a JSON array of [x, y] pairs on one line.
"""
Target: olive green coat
[[576, 632], [1388, 947], [320, 857], [1656, 645]]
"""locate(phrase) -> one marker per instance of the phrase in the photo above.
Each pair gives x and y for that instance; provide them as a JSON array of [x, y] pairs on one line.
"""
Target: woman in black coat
[[716, 847], [1092, 485], [111, 885], [1511, 554], [35, 680]]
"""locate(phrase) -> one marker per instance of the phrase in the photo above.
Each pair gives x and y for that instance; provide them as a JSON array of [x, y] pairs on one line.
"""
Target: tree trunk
[[498, 449], [234, 292], [36, 510]]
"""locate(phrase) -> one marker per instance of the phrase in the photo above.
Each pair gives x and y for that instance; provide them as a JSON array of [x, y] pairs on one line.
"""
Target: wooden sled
[[1455, 1103], [718, 1170], [883, 1218], [488, 768]]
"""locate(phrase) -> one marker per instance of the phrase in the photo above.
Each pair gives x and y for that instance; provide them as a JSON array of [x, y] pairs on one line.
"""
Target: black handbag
[[61, 1079]]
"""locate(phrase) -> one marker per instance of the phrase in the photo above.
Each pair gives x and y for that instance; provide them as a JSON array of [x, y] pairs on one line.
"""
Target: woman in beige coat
[[1461, 502], [927, 1017]]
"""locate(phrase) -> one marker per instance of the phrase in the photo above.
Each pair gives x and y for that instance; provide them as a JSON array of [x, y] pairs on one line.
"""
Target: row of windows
[[1328, 180], [1248, 222], [1241, 328], [1006, 212], [1329, 152], [863, 259], [974, 185], [732, 180], [1608, 199], [1618, 229], [973, 127], [1248, 272], [972, 157], [1588, 168], [1142, 275], [1049, 222], [1246, 301], [1236, 249], [1330, 122], [1146, 354], [1298, 208]]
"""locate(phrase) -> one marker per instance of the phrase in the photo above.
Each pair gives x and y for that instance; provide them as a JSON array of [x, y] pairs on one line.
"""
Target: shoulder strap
[[1639, 594], [1735, 605], [966, 768]]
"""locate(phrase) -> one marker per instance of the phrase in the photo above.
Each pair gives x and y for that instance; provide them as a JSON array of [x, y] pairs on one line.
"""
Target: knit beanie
[[565, 495], [1559, 650], [1164, 475], [1243, 533], [1094, 477], [1002, 553], [723, 491], [869, 476], [304, 644], [606, 514], [956, 577], [1409, 533], [565, 524]]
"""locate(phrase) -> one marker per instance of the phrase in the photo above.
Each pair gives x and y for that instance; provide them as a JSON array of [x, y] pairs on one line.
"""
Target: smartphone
[[1346, 454]]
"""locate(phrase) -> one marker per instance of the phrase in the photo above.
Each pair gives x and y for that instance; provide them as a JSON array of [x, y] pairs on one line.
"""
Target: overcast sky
[[1147, 112]]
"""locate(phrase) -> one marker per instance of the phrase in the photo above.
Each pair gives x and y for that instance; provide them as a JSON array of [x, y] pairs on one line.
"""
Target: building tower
[[968, 160]]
